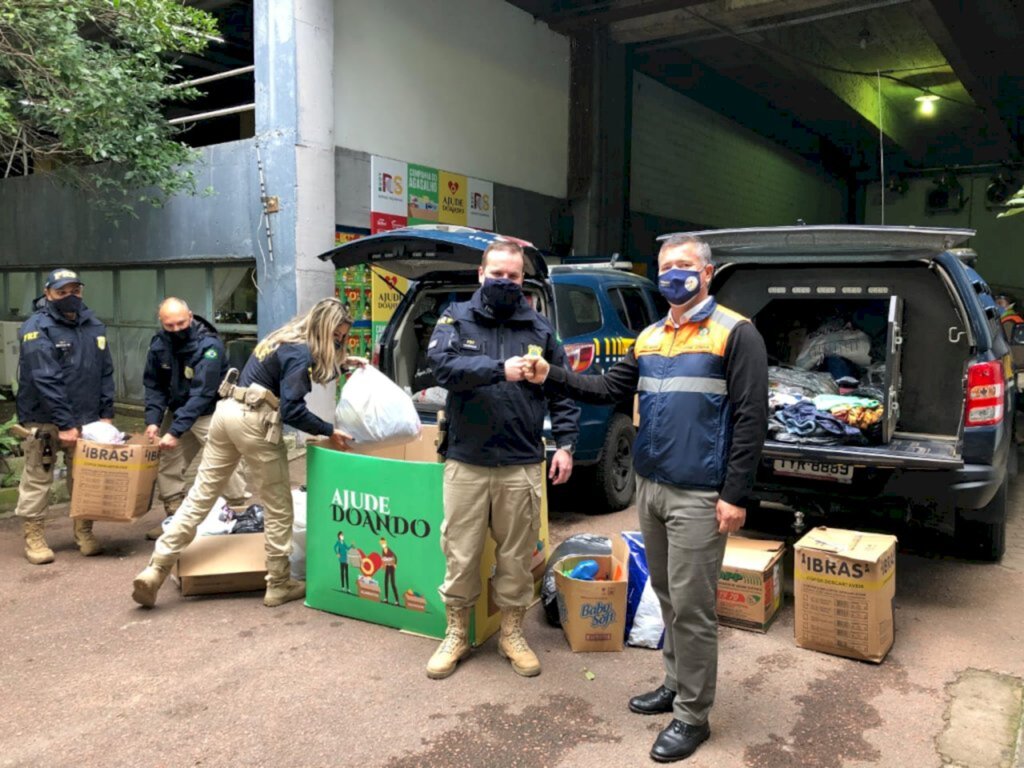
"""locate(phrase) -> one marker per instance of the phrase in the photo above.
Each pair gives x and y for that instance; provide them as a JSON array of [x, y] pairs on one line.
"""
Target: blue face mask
[[678, 286]]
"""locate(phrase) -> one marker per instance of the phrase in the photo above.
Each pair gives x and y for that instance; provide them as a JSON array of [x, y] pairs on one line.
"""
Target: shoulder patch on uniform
[[210, 354], [101, 342], [445, 320], [30, 336]]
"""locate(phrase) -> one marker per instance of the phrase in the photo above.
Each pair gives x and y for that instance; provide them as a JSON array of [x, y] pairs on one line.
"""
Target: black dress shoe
[[678, 741], [657, 702]]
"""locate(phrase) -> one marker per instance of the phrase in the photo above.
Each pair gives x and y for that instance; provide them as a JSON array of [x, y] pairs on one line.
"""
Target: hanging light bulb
[[927, 104]]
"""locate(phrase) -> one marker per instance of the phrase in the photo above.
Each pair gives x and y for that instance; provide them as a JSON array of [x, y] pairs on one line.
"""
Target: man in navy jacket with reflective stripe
[[184, 367], [702, 379], [65, 381]]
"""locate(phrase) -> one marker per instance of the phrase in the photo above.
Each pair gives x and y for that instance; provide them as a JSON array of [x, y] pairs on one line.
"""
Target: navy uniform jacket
[[184, 379], [285, 372], [493, 422], [65, 373]]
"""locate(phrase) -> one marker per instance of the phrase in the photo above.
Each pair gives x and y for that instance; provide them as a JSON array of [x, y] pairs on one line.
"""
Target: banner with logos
[[407, 193]]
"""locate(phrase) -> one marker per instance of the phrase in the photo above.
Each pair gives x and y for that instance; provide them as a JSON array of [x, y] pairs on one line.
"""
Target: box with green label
[[750, 583]]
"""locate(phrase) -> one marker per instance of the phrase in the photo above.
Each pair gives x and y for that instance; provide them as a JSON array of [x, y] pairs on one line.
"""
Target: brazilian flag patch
[[210, 354]]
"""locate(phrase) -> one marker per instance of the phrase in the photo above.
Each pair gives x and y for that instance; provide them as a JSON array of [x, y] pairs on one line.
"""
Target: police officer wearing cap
[[184, 368], [65, 380]]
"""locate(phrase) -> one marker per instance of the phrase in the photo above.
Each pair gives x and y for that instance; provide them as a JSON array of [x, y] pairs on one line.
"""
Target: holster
[[274, 429], [227, 386], [441, 442]]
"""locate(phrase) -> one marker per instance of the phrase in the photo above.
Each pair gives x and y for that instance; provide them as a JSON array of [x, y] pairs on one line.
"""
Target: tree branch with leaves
[[82, 88]]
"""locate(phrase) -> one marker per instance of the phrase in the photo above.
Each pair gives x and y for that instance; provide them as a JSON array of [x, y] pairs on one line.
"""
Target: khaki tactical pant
[[34, 488], [507, 499], [239, 430], [684, 554], [172, 483]]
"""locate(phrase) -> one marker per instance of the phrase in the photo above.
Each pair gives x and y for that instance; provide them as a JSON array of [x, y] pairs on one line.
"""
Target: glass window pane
[[138, 299], [23, 289], [578, 310], [234, 295], [632, 309], [98, 292], [189, 285]]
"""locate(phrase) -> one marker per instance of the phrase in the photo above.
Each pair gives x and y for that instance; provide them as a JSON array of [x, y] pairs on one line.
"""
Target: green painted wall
[[999, 242]]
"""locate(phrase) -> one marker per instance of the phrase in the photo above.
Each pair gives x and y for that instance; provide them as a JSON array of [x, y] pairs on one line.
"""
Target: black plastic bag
[[250, 521], [580, 544]]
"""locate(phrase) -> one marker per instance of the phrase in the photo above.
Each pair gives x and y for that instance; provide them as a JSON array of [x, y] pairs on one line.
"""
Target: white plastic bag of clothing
[[298, 556], [850, 343], [219, 520], [373, 409], [645, 627], [101, 432], [431, 396]]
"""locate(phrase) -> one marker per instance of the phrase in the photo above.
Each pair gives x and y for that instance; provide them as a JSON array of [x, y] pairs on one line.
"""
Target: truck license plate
[[838, 473]]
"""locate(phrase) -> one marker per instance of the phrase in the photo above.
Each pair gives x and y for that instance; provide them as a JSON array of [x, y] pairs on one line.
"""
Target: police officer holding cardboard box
[[65, 380], [184, 368]]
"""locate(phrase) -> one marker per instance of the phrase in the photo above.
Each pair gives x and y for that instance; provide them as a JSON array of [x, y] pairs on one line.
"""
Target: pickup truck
[[944, 449]]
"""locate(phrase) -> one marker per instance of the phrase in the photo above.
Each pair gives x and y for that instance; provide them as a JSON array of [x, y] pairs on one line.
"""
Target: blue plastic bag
[[645, 626]]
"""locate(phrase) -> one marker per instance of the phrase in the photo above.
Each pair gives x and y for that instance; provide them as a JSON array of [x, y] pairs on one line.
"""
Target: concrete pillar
[[600, 191], [294, 55]]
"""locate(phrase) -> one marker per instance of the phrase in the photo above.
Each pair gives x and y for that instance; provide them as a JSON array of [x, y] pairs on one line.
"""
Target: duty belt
[[254, 396]]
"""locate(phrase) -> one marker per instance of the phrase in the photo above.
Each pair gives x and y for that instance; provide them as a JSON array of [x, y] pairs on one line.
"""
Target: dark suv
[[927, 330], [598, 312]]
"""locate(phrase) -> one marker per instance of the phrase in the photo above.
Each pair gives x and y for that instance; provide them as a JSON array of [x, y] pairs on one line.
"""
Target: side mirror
[[1017, 337]]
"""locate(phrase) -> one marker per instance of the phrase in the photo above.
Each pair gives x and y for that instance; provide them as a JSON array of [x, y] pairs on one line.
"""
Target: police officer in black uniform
[[184, 368], [480, 352], [65, 381], [271, 390]]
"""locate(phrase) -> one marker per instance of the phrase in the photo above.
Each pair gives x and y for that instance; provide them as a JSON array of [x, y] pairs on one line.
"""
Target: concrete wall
[[471, 86], [517, 212], [999, 242], [43, 223], [691, 164]]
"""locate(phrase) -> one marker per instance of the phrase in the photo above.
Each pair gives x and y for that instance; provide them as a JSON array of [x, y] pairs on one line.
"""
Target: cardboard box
[[424, 448], [845, 585], [114, 482], [750, 583], [234, 562], [593, 613]]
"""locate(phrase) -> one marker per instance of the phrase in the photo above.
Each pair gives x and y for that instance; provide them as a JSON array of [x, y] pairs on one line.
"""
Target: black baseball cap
[[62, 276]]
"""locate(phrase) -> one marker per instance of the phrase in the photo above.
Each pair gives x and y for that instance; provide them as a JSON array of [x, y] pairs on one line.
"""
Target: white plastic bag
[[298, 556], [219, 520], [373, 409], [648, 625], [101, 432]]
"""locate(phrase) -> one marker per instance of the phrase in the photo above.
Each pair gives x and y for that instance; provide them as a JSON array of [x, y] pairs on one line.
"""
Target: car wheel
[[614, 478], [982, 540]]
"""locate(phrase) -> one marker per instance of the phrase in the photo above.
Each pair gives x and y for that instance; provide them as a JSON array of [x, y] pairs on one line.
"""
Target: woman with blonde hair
[[247, 423]]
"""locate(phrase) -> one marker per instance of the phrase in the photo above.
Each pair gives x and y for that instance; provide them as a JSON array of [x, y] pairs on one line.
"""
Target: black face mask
[[179, 338], [501, 296], [69, 305]]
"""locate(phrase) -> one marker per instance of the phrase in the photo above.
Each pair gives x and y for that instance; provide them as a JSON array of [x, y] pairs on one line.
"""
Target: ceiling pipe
[[808, 19]]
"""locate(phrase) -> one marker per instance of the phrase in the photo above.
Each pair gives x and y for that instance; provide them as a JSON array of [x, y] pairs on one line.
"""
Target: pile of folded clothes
[[825, 419]]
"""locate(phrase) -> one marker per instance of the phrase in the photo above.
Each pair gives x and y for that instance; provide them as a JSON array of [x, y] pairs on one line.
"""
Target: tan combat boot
[[512, 643], [454, 647], [281, 587], [36, 550], [170, 507], [84, 538], [151, 578]]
